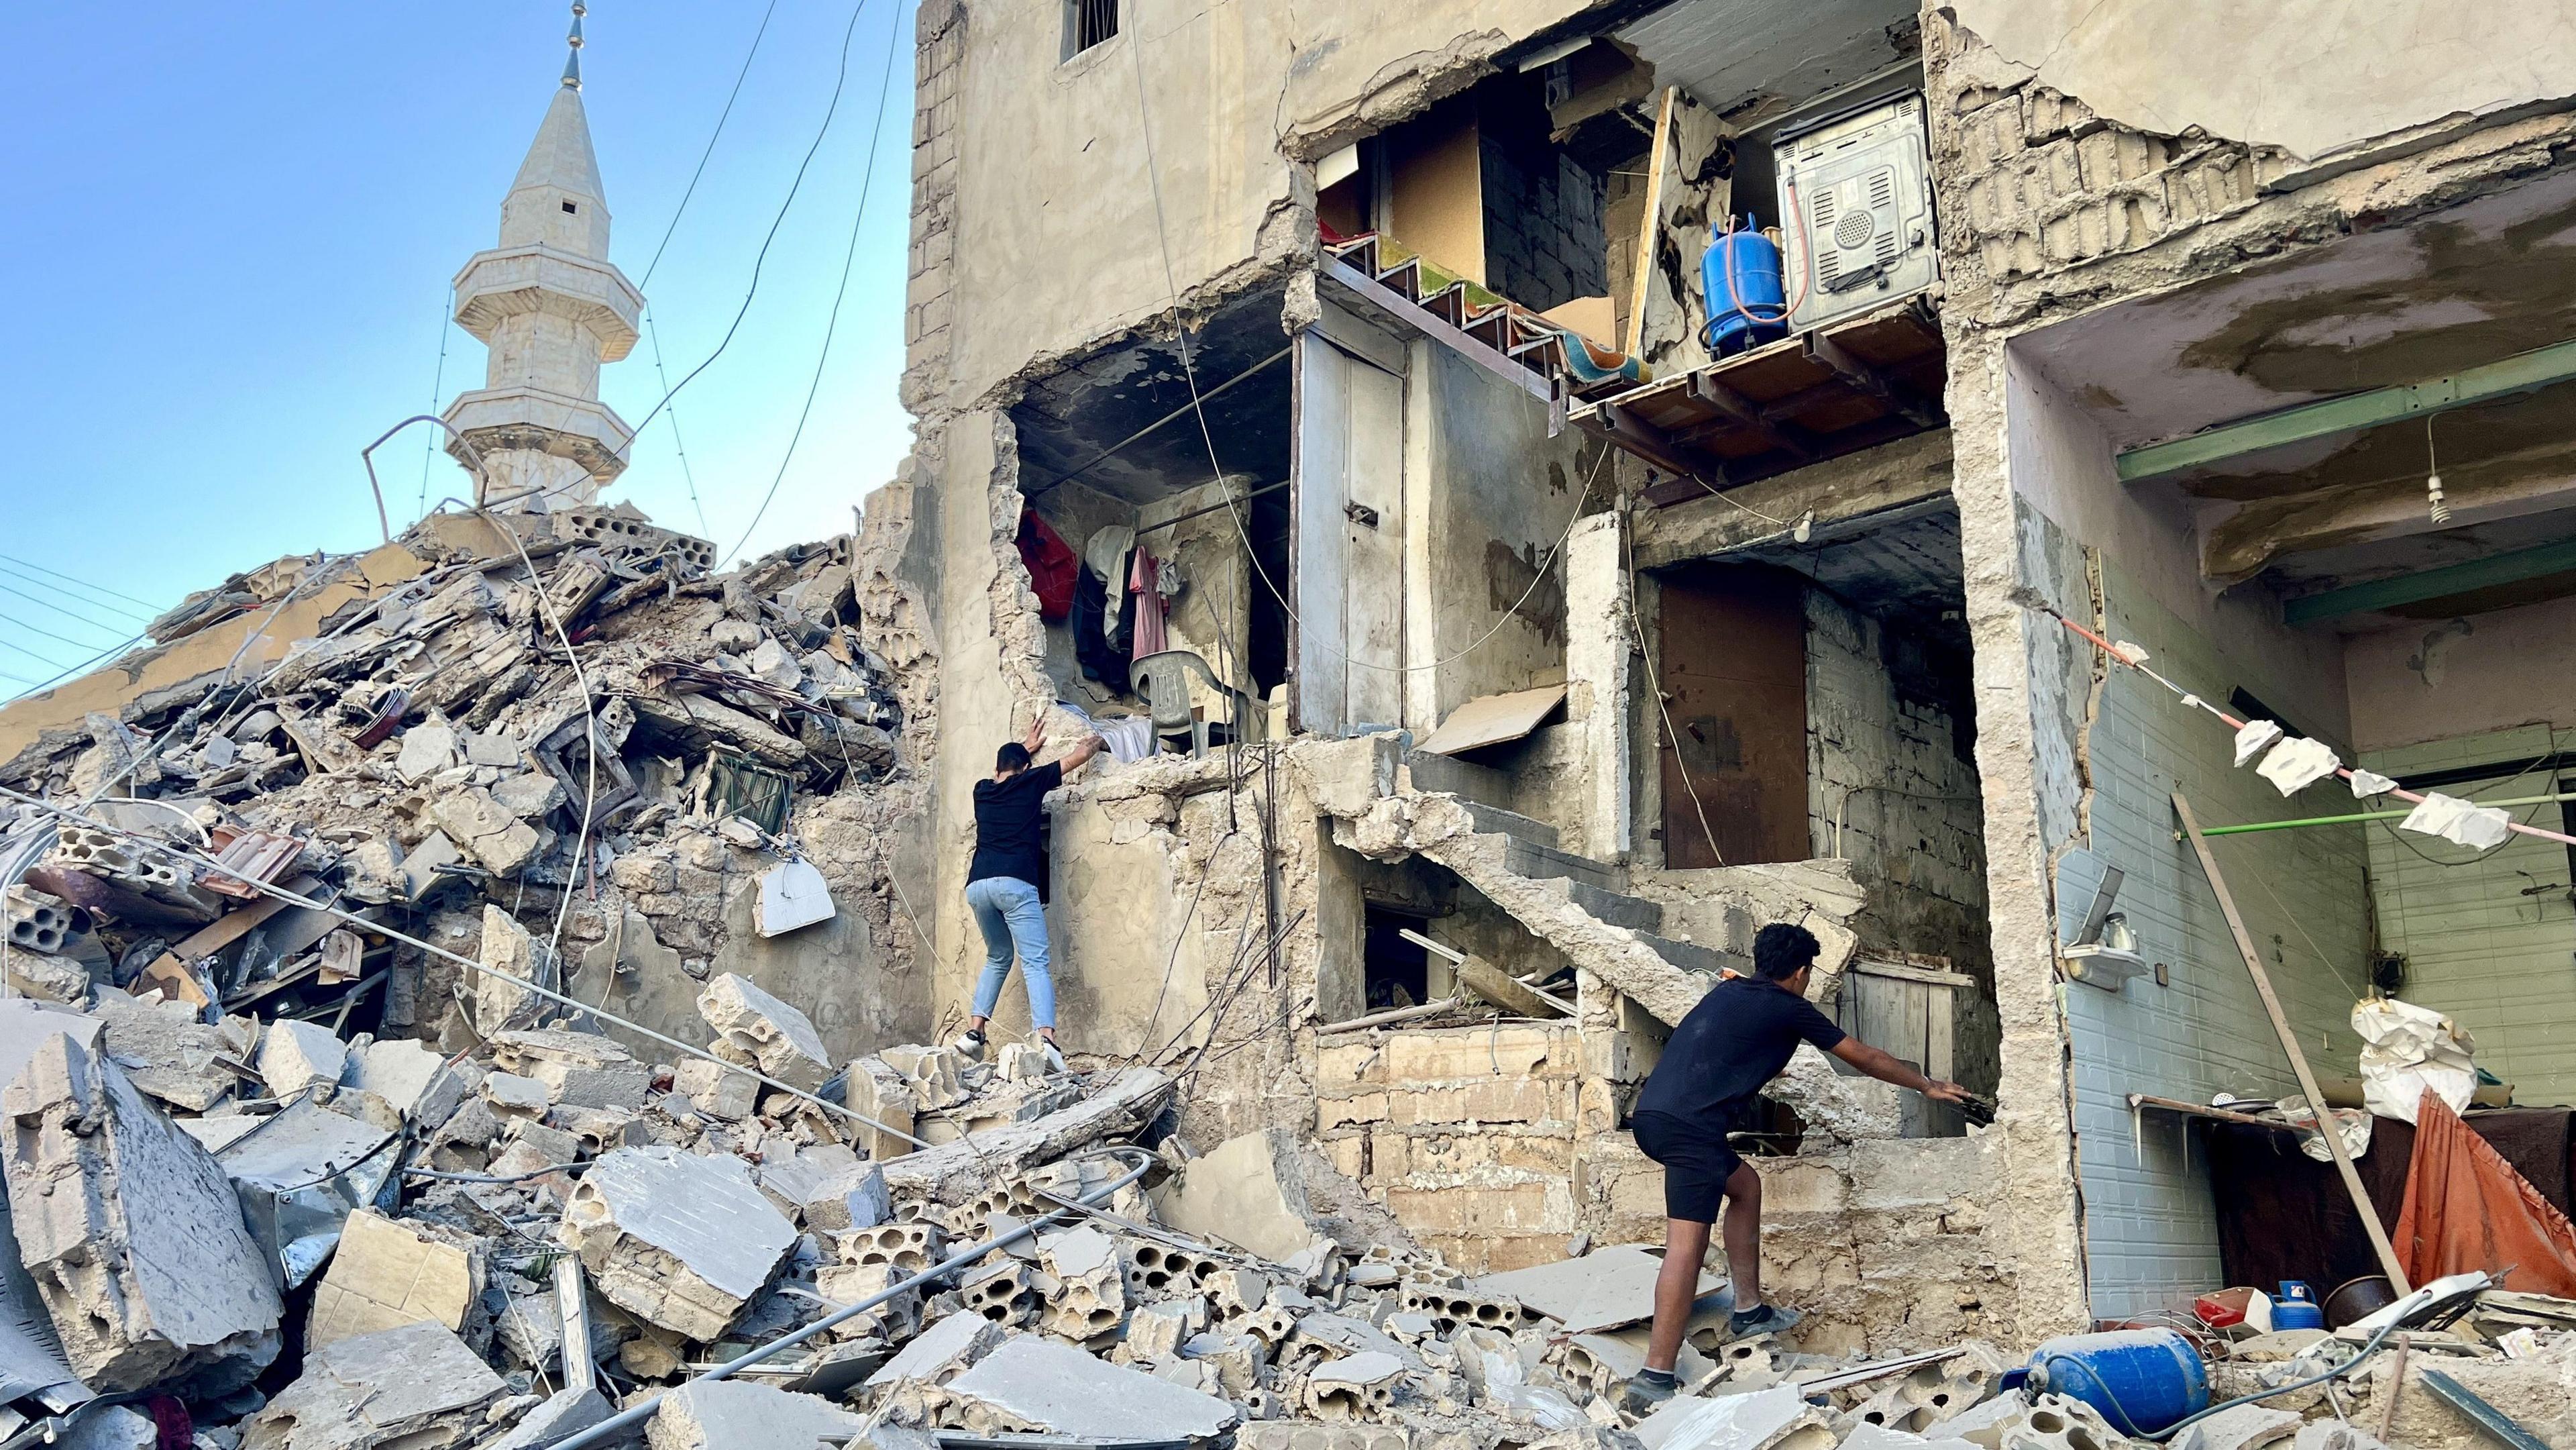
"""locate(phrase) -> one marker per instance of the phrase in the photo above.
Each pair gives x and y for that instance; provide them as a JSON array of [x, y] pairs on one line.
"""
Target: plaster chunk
[[427, 749], [683, 1241], [177, 1052], [1249, 1192], [411, 1077], [755, 1029], [565, 1412], [530, 795], [294, 1056], [416, 1387], [579, 1069], [1057, 1389], [716, 1090], [942, 1352], [740, 1415], [1772, 1419], [131, 1231], [507, 947]]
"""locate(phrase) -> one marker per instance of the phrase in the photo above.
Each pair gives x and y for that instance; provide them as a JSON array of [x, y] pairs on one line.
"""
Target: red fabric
[[1054, 568], [1149, 605], [171, 1427], [2466, 1208]]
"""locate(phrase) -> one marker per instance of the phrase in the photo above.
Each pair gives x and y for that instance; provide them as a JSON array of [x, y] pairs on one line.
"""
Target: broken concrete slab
[[513, 1096], [416, 1386], [176, 1051], [1604, 1289], [299, 1173], [1866, 1436], [1248, 1191], [717, 1090], [941, 1352], [579, 1069], [295, 1056], [427, 749], [736, 1414], [130, 1230], [414, 1080], [499, 1003], [563, 1413], [754, 1029], [884, 1100], [1356, 1387], [1772, 1419], [385, 1274], [682, 1240], [1057, 1389], [530, 796], [2243, 1427], [955, 1172]]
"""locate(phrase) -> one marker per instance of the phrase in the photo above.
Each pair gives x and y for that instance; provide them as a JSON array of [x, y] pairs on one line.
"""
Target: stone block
[[1772, 1419], [565, 1412], [49, 978], [683, 1241], [1090, 1293], [129, 1228], [385, 1274], [426, 750], [2244, 1427], [416, 1386], [500, 1003], [1464, 1054], [739, 1415], [755, 1029], [294, 1056], [716, 1089], [882, 1096], [513, 1096], [529, 796], [579, 1069], [851, 1198], [1053, 1388]]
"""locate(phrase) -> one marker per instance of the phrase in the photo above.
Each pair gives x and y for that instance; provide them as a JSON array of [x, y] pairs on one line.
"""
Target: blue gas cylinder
[[2296, 1307], [1739, 274], [2142, 1380]]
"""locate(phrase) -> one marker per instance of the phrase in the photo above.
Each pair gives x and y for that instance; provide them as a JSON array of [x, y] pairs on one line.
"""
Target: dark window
[[1087, 23], [570, 209]]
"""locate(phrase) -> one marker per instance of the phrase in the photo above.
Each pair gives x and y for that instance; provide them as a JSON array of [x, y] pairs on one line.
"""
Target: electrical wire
[[1637, 624], [26, 578], [740, 73], [78, 582], [832, 324], [49, 634], [43, 603], [761, 258]]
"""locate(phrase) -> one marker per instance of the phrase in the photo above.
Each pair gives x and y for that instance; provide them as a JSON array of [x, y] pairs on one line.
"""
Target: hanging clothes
[[1148, 601], [1092, 624], [1054, 569]]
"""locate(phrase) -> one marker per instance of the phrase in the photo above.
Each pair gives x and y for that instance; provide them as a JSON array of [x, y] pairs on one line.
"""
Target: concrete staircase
[[1592, 887]]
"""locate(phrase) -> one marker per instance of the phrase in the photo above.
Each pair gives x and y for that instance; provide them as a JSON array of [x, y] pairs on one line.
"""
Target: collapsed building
[[1328, 406]]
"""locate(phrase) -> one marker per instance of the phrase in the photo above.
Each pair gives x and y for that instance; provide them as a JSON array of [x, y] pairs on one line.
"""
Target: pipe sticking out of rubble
[[615, 1425], [154, 843]]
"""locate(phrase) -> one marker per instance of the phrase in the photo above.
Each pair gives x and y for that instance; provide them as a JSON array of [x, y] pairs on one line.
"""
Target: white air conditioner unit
[[1857, 190]]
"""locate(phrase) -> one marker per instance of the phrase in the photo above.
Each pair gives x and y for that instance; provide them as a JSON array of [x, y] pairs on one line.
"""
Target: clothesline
[[2114, 652]]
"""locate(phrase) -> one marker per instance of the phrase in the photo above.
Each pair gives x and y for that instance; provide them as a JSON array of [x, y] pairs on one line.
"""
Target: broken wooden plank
[[1493, 720]]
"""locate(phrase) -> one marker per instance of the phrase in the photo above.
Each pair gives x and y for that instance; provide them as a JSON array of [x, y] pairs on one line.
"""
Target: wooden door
[[1349, 472], [1733, 668]]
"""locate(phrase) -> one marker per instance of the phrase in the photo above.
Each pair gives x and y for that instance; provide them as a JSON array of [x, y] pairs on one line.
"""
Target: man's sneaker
[[1762, 1319], [1642, 1396], [971, 1043]]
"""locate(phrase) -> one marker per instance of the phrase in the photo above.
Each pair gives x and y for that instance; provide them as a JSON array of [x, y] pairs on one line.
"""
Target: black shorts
[[1697, 1162]]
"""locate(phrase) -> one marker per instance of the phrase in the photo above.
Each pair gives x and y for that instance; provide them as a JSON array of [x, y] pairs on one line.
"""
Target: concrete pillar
[[1598, 641]]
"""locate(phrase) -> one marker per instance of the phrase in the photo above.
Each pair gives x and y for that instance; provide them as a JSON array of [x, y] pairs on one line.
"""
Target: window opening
[[1087, 23], [570, 209]]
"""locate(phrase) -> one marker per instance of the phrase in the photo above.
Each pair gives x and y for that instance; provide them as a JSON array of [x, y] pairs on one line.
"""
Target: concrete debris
[[1249, 1192], [577, 1069], [299, 1174], [738, 1415], [682, 1240], [294, 1056], [1773, 1419], [130, 1231], [168, 1052], [565, 1412], [415, 1386], [1051, 1388], [2243, 1427], [754, 1029]]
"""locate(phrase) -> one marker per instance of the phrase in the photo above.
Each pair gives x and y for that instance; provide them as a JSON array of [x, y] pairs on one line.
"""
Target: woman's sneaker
[[1762, 1319], [971, 1043], [1054, 1058]]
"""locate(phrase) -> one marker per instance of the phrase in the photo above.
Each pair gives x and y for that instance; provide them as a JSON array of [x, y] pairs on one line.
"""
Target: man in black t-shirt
[[1006, 884], [1738, 1038]]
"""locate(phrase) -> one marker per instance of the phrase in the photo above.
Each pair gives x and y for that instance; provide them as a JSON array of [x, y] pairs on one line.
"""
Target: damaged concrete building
[[1537, 623], [1531, 493]]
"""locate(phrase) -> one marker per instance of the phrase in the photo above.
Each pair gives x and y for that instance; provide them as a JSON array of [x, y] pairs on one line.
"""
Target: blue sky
[[229, 232]]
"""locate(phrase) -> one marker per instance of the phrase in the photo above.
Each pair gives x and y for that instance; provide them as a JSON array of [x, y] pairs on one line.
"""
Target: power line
[[6, 643], [840, 81], [47, 633], [687, 474], [26, 578], [79, 583], [692, 188], [437, 385], [43, 603], [64, 672], [867, 181]]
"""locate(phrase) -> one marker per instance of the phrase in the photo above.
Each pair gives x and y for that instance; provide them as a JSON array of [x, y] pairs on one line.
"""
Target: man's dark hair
[[1013, 758], [1780, 949]]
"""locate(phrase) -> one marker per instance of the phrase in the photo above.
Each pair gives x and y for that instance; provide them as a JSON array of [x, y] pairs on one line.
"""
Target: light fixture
[[2434, 505]]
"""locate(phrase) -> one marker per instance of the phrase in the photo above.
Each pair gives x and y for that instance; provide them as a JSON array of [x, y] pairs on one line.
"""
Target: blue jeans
[[1007, 911]]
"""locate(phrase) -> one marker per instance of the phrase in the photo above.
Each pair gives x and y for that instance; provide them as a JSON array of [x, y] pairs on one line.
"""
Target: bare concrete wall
[[2437, 679], [2314, 77]]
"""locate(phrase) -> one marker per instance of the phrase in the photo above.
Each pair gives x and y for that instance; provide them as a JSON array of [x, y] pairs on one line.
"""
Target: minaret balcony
[[514, 280], [582, 429]]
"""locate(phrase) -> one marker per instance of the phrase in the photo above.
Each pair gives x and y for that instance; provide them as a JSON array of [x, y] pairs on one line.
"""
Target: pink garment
[[1149, 606]]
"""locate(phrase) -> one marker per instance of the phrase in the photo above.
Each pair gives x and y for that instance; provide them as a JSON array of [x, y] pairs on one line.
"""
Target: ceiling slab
[[1759, 57]]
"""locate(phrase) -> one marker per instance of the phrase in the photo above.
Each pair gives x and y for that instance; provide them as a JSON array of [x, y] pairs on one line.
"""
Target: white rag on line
[[2294, 765], [2254, 738], [2459, 822]]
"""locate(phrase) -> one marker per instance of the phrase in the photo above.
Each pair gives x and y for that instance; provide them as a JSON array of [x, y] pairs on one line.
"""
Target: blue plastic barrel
[[1739, 274], [2296, 1307], [2142, 1380]]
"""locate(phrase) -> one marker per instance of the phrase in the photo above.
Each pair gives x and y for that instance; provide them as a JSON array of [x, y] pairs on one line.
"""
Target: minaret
[[552, 308]]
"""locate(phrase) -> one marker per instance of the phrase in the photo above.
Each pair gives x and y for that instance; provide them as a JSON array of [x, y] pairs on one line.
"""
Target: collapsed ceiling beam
[[2442, 583], [2520, 373]]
